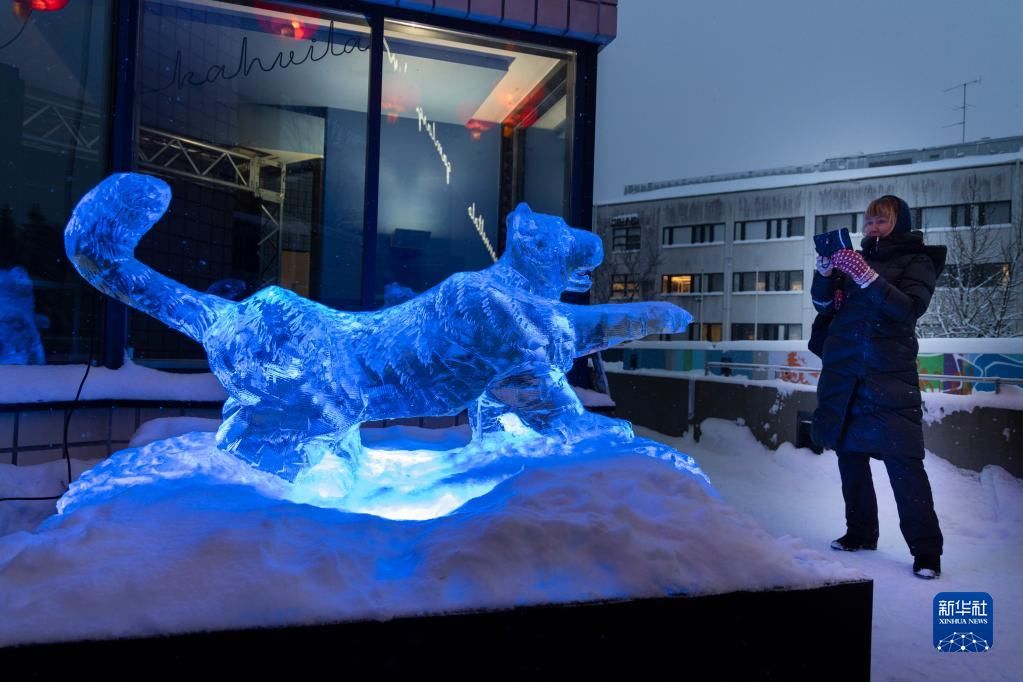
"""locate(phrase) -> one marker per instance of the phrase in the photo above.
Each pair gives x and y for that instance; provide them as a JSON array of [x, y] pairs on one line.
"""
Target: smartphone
[[830, 242]]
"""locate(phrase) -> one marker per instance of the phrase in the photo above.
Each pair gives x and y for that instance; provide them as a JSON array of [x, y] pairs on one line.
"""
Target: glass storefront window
[[255, 115], [54, 136], [470, 127]]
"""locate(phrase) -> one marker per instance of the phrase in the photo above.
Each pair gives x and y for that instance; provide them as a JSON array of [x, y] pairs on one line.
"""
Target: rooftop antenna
[[962, 123]]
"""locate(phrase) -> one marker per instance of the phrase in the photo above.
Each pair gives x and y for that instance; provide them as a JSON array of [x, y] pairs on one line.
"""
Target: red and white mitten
[[852, 264]]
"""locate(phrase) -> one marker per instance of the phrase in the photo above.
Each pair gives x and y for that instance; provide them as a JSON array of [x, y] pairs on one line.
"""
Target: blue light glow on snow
[[301, 377]]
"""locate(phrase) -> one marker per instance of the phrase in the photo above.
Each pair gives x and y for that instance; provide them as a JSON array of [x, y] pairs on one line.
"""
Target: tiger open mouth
[[581, 279]]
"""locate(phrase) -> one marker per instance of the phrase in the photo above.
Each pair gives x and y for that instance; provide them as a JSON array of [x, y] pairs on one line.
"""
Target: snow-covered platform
[[605, 556]]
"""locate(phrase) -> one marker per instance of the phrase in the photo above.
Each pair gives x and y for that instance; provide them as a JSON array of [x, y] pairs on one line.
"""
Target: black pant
[[912, 490]]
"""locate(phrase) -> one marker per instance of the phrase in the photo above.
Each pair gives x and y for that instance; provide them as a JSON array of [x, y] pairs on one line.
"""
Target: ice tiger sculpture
[[301, 377]]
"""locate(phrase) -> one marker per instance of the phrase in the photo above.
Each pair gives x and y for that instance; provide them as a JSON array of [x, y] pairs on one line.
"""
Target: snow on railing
[[772, 372]]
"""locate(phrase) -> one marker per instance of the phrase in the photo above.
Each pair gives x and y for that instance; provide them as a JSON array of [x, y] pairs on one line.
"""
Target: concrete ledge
[[971, 440]]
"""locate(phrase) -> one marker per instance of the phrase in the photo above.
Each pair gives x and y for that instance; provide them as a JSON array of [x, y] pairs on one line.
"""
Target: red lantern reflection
[[528, 111], [23, 8], [391, 110], [287, 27], [477, 127]]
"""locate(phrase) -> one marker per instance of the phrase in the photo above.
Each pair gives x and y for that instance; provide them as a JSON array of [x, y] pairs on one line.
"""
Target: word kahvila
[[477, 222], [246, 65]]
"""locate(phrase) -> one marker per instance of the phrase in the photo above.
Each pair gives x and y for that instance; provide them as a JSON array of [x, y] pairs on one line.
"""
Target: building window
[[780, 280], [259, 144], [625, 238], [710, 331], [693, 234], [272, 187], [624, 286], [744, 281], [770, 331], [936, 217], [829, 223], [743, 331], [994, 213], [55, 121], [470, 126], [777, 228], [696, 332], [714, 281], [678, 284], [774, 280], [766, 331], [692, 284], [963, 215]]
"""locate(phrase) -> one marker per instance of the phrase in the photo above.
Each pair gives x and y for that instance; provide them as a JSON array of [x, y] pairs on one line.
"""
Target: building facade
[[333, 148], [737, 251]]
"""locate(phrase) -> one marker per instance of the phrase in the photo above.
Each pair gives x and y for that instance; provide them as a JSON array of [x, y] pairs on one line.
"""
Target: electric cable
[[16, 36], [71, 411]]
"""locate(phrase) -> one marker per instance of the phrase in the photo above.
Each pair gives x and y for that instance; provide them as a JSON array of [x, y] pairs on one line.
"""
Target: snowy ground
[[196, 552], [791, 491]]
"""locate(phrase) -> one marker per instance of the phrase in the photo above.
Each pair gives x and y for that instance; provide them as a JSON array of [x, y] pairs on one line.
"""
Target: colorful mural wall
[[1005, 366]]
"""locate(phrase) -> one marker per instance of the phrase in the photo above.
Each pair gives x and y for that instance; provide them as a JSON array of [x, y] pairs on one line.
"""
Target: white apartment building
[[737, 250]]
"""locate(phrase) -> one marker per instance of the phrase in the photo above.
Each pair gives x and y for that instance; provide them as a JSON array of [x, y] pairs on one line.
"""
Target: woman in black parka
[[868, 396]]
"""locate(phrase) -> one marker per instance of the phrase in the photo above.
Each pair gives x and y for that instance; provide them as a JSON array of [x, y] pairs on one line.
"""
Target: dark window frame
[[820, 222], [777, 228], [626, 238], [627, 282], [699, 233]]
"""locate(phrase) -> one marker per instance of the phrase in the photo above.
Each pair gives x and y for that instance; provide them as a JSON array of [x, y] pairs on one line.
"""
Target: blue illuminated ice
[[301, 377], [20, 343]]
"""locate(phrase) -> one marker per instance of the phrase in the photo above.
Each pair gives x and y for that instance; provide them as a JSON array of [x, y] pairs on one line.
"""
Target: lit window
[[624, 286]]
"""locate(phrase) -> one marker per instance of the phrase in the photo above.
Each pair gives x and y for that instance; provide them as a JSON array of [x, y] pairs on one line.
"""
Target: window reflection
[[470, 127], [54, 99], [256, 117]]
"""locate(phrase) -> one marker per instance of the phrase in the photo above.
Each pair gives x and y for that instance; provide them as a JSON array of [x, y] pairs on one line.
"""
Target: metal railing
[[772, 371]]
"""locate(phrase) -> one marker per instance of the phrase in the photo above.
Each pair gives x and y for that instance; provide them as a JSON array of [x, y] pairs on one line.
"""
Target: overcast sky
[[696, 87]]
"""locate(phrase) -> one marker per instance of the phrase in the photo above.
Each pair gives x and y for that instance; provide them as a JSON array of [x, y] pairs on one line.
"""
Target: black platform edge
[[775, 634]]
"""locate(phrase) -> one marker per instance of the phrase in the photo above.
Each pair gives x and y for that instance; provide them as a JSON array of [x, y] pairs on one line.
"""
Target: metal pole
[[964, 113]]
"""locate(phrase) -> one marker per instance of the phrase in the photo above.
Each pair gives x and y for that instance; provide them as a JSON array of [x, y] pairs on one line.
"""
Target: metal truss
[[54, 125], [236, 168]]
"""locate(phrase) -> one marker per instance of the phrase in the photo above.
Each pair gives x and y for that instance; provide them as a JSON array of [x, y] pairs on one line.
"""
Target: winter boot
[[927, 566], [850, 542]]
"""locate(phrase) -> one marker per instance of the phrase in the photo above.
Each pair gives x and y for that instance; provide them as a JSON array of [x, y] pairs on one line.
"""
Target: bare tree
[[640, 265], [980, 293]]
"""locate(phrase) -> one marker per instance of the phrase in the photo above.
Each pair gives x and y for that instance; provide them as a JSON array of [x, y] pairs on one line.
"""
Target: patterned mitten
[[852, 264]]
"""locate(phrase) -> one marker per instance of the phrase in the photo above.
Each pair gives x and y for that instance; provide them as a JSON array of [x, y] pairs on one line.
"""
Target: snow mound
[[178, 537], [168, 427], [937, 406]]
